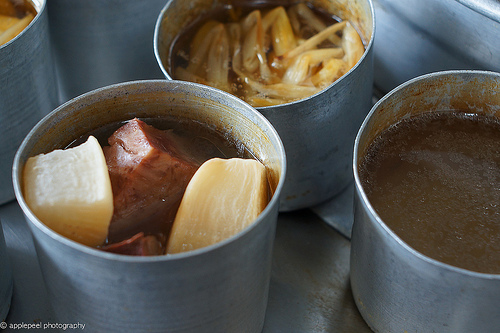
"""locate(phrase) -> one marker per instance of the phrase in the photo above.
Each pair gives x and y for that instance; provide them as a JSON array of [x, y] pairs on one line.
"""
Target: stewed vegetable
[[268, 56]]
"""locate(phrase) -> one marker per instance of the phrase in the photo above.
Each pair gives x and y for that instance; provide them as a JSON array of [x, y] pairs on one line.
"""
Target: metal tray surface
[[309, 291]]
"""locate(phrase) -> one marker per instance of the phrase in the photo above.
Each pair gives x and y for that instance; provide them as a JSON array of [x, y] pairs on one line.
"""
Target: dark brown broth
[[206, 142], [434, 179], [24, 7]]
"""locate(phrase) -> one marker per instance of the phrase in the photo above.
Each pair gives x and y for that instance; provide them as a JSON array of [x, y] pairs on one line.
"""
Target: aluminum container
[[28, 90], [98, 43], [6, 283], [416, 37], [220, 288], [318, 132], [396, 288]]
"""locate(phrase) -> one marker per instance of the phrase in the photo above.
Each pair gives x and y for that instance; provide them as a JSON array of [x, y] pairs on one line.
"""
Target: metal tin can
[[219, 288], [28, 90], [416, 37], [318, 132], [98, 43], [6, 283], [396, 288]]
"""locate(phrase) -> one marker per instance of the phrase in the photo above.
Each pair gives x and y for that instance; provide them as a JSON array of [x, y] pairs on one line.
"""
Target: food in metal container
[[129, 191], [434, 179], [269, 55], [223, 197], [69, 190], [15, 16], [149, 170]]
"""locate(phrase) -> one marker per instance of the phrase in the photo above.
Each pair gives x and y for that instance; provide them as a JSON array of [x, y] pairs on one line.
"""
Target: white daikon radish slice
[[70, 192], [223, 197]]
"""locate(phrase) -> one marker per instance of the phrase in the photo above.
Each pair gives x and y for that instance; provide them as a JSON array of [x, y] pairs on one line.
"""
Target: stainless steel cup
[[416, 37], [220, 288], [318, 132], [396, 288], [28, 90], [97, 43], [6, 283]]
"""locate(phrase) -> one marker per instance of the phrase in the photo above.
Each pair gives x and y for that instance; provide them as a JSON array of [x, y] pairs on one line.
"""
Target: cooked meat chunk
[[137, 245], [149, 171]]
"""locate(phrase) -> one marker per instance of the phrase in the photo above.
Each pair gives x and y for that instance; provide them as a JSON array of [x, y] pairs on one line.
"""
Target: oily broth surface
[[434, 179], [178, 54], [204, 141], [23, 7], [230, 13]]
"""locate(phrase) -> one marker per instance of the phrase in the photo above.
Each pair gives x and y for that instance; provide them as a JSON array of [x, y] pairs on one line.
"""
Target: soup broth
[[204, 142], [434, 179], [265, 53]]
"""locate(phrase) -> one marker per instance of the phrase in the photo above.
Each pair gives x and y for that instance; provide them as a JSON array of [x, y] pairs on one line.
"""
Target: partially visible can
[[318, 132], [6, 284], [28, 90], [417, 37], [97, 43], [395, 287]]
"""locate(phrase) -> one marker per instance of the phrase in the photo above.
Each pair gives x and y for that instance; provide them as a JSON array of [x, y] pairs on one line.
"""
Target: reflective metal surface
[[416, 37], [97, 43], [6, 283], [396, 288], [309, 289], [219, 288], [317, 132], [28, 90], [338, 211]]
